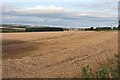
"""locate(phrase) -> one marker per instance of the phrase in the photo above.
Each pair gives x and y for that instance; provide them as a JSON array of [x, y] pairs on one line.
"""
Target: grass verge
[[108, 69]]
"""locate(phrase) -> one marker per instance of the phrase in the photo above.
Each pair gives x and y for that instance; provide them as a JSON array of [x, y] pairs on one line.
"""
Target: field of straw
[[55, 54]]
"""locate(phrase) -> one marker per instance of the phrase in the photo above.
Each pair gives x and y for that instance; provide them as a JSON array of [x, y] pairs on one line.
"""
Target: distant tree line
[[101, 29], [43, 29], [27, 28]]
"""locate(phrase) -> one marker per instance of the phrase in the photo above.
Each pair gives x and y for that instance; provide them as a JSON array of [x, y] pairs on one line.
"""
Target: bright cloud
[[43, 9]]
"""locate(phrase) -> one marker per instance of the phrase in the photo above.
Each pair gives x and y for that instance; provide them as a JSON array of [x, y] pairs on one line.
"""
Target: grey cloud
[[68, 19]]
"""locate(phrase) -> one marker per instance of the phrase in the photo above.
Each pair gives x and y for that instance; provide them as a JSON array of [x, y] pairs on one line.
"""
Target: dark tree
[[92, 28], [119, 25], [115, 28]]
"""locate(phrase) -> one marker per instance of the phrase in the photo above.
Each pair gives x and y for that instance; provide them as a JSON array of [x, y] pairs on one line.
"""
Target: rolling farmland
[[55, 54]]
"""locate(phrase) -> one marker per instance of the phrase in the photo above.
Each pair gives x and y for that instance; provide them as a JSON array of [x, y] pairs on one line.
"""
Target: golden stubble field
[[55, 54]]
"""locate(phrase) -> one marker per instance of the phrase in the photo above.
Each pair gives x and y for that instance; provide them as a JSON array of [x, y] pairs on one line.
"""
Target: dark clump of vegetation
[[89, 29], [119, 25], [43, 29], [109, 69], [103, 28], [115, 28]]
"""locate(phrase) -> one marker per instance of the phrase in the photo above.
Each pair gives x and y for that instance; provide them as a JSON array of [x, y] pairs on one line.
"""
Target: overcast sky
[[61, 13]]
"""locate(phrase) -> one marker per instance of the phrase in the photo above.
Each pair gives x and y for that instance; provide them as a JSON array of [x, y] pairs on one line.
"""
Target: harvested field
[[55, 54]]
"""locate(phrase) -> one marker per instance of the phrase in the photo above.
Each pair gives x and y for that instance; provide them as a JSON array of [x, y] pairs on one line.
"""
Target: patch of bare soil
[[16, 48]]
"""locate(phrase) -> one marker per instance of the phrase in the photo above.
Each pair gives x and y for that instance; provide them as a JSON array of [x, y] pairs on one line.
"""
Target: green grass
[[8, 30], [108, 69]]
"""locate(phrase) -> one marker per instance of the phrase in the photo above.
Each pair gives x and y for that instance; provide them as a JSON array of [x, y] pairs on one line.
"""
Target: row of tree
[[101, 29], [47, 28], [43, 29]]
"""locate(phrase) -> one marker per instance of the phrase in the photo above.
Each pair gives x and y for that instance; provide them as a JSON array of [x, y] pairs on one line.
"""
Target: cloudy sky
[[58, 13]]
